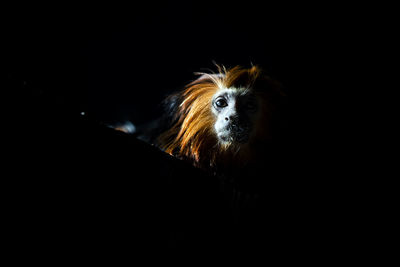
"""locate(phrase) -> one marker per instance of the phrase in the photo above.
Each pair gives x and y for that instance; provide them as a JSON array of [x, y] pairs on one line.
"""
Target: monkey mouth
[[239, 138]]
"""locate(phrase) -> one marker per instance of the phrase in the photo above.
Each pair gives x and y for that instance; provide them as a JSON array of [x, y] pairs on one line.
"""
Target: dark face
[[236, 111]]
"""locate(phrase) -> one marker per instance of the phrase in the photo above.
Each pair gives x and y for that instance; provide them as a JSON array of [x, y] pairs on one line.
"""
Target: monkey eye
[[221, 103], [251, 105]]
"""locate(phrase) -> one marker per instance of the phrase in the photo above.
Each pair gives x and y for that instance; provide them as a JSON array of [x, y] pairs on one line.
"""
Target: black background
[[116, 63], [73, 180]]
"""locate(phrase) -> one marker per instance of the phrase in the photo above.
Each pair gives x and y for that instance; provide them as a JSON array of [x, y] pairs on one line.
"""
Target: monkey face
[[236, 111]]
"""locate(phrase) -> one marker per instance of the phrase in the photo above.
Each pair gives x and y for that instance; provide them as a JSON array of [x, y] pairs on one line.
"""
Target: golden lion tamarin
[[225, 120]]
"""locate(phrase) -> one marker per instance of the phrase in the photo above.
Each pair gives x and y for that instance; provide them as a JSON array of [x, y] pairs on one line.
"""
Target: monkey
[[226, 123], [231, 124]]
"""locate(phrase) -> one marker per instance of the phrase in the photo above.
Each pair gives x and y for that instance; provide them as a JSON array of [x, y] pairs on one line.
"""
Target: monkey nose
[[233, 118]]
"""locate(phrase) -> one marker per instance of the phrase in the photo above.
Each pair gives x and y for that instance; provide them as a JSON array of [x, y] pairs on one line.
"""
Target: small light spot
[[83, 113]]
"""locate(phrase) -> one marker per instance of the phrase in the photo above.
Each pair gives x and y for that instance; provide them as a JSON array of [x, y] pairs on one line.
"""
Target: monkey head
[[221, 117]]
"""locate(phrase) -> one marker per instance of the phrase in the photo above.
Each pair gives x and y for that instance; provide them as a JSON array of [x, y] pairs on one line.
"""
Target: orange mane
[[192, 136]]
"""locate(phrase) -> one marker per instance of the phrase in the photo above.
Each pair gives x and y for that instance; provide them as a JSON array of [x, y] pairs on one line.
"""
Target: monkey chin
[[233, 141]]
